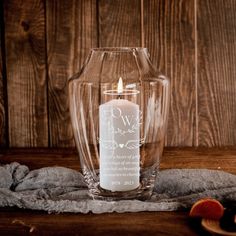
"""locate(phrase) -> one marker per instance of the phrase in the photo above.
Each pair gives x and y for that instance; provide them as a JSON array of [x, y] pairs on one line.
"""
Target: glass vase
[[119, 109]]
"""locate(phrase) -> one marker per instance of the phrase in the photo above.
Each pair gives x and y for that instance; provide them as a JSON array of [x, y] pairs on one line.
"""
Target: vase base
[[139, 193]]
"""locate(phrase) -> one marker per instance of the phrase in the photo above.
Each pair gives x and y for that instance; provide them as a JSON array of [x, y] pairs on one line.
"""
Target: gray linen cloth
[[59, 189]]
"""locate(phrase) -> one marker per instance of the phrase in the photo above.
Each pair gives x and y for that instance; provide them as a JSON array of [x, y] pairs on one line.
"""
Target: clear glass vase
[[119, 109]]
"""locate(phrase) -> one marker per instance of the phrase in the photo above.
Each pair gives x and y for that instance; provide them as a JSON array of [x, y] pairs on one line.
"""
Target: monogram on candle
[[119, 125]]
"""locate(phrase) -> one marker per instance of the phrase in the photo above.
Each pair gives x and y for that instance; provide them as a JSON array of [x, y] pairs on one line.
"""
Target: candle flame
[[120, 86]]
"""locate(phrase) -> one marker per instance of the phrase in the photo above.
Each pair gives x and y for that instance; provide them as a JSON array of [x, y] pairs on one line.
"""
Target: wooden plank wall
[[71, 32], [3, 137], [43, 42], [216, 60], [169, 34], [26, 73]]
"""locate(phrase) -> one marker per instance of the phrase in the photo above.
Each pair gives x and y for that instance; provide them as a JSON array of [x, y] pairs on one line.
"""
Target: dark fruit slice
[[228, 221]]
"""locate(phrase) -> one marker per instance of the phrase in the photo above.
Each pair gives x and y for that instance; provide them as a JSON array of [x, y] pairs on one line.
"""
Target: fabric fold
[[59, 189]]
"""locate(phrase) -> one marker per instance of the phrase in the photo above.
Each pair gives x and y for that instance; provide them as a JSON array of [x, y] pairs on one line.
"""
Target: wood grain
[[71, 32], [142, 223], [2, 88], [61, 30], [216, 72], [202, 157], [51, 39], [26, 73], [119, 23], [169, 34]]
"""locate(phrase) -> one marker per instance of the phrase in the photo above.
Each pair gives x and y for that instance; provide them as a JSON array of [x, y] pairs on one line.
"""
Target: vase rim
[[118, 49]]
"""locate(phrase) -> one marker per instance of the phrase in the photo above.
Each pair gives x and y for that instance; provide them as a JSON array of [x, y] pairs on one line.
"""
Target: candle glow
[[120, 86]]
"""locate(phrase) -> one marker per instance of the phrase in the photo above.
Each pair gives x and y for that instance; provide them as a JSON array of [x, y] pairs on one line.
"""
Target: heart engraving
[[121, 145]]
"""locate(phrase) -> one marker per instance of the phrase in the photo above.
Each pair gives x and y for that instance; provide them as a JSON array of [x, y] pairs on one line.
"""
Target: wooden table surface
[[15, 221]]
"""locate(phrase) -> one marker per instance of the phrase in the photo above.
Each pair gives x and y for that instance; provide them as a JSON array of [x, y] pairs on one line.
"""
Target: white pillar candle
[[119, 145]]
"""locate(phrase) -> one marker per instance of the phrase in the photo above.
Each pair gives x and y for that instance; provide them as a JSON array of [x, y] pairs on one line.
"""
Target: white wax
[[119, 145]]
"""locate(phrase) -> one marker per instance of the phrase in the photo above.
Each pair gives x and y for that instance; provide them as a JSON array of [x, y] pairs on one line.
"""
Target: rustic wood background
[[43, 42]]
